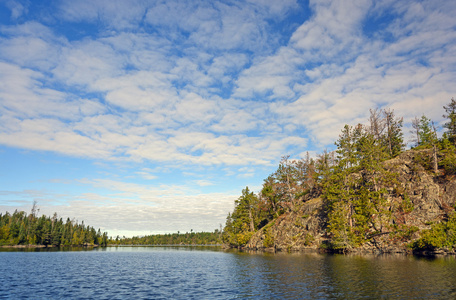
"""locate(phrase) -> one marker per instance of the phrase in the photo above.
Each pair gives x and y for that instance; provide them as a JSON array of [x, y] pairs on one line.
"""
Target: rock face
[[297, 230], [430, 197]]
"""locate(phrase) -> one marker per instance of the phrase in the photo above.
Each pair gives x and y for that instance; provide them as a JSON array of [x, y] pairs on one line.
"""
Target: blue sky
[[142, 117]]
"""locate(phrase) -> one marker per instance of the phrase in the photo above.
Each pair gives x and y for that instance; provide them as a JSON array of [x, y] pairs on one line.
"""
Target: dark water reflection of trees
[[316, 276]]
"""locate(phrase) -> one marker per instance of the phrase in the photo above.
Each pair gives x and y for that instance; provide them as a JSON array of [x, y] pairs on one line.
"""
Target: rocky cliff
[[430, 198]]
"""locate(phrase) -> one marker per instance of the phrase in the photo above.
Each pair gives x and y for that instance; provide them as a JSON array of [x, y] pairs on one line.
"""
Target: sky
[[144, 117]]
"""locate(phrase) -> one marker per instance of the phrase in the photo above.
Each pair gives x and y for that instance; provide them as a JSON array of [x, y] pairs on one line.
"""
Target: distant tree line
[[351, 180], [22, 229], [192, 238]]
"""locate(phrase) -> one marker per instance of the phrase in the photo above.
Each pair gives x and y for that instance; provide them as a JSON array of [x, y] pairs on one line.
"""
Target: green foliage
[[308, 239], [346, 147], [450, 125], [406, 205], [20, 229], [423, 159], [403, 232], [440, 235], [449, 163], [426, 132], [288, 186], [268, 238], [244, 220], [355, 196], [337, 195], [324, 166], [448, 150], [192, 238], [359, 193], [243, 238]]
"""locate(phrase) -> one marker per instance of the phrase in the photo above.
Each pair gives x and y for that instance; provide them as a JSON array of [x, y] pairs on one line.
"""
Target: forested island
[[367, 195], [20, 229]]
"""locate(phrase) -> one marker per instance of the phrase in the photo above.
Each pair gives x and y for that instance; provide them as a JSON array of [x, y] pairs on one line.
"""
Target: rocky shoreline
[[433, 198]]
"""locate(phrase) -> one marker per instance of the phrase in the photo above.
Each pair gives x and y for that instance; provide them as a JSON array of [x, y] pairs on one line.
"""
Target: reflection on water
[[317, 276], [391, 276], [48, 249], [208, 273]]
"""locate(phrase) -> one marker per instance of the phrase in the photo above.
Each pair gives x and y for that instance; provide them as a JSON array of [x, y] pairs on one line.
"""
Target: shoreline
[[44, 246], [27, 246], [405, 252]]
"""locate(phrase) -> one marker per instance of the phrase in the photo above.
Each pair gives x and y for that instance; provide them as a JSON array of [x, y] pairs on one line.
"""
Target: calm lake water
[[209, 273]]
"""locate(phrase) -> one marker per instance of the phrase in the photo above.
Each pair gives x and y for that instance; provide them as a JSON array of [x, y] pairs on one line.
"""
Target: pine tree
[[374, 180], [270, 197], [346, 148], [240, 224], [427, 133], [450, 125]]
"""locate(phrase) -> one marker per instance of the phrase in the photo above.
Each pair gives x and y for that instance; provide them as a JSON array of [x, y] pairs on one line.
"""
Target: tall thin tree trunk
[[290, 194], [434, 156], [252, 226], [351, 214]]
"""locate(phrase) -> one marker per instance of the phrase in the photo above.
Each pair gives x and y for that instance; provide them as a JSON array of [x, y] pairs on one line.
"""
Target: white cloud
[[114, 14], [137, 208], [17, 9], [236, 121], [32, 45], [193, 86], [278, 9], [273, 74], [333, 30], [83, 64], [148, 91], [203, 182]]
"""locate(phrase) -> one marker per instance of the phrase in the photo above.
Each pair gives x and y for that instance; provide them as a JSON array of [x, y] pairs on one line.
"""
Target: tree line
[[192, 238], [22, 229], [351, 180]]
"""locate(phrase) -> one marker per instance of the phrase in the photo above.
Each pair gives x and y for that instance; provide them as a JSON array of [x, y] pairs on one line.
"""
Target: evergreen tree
[[374, 179], [427, 133], [324, 165], [287, 186], [22, 229], [309, 174], [346, 148], [240, 225], [355, 200], [287, 180], [450, 125], [337, 194], [271, 197]]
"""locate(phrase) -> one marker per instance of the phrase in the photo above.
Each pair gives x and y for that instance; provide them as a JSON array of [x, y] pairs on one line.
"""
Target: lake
[[210, 273]]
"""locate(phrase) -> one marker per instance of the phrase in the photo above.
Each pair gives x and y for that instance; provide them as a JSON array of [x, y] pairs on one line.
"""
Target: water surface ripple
[[208, 273]]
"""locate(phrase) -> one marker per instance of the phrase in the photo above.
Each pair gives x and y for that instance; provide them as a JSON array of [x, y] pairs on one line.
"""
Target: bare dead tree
[[377, 123], [416, 130]]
